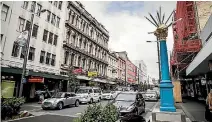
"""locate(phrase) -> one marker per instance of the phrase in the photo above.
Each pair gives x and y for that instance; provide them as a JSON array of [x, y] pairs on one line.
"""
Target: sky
[[128, 29]]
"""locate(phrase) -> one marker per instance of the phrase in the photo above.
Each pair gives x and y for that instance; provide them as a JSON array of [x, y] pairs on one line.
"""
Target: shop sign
[[36, 80], [7, 88], [92, 74], [77, 71]]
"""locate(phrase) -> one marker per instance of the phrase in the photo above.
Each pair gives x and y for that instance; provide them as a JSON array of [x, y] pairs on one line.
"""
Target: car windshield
[[59, 95], [126, 97], [106, 91], [80, 91]]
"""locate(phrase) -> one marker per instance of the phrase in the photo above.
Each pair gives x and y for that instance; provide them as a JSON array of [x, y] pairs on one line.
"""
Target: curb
[[187, 113]]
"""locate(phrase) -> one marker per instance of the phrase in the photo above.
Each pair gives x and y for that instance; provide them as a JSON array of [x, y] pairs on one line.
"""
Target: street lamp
[[25, 44], [158, 51], [166, 86]]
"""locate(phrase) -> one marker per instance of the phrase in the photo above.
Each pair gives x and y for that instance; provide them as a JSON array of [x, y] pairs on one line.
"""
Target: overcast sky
[[128, 28]]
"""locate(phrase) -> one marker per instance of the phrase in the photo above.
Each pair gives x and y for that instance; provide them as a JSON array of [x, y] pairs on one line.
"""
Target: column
[[166, 87]]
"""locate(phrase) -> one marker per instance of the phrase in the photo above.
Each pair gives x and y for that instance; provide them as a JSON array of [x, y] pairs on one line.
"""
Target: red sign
[[36, 80], [77, 71]]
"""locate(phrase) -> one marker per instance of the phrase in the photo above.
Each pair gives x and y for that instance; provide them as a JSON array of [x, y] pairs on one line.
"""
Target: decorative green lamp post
[[166, 87]]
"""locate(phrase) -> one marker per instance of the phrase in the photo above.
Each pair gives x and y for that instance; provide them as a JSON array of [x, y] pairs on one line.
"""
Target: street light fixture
[[158, 51], [25, 44]]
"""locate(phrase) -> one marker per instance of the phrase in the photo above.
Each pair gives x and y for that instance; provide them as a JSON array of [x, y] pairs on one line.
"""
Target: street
[[65, 115]]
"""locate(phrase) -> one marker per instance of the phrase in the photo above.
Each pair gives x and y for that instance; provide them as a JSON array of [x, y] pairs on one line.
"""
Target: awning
[[100, 80], [82, 77], [200, 63]]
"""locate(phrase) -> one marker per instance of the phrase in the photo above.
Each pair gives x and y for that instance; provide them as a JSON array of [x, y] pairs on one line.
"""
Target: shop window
[[42, 56], [21, 24], [48, 58], [45, 35], [35, 31], [53, 60], [50, 38], [55, 40], [31, 53], [25, 5], [15, 50], [60, 5]]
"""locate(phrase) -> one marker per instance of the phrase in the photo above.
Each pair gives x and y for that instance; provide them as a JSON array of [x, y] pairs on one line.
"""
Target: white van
[[89, 94]]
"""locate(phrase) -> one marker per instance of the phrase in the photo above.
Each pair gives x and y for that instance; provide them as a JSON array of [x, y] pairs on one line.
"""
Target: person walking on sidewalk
[[208, 108]]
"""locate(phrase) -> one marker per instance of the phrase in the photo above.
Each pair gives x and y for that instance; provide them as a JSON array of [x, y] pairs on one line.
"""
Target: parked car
[[129, 102], [151, 96], [108, 95], [59, 100], [89, 94]]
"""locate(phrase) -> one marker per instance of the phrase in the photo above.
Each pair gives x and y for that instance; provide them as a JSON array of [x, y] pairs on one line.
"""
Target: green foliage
[[13, 101], [72, 78], [97, 113]]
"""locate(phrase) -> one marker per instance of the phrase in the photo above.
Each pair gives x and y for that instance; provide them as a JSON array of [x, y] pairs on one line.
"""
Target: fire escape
[[186, 41]]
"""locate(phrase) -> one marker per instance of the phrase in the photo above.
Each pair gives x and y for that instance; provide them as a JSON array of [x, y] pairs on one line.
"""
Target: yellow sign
[[92, 74], [7, 88]]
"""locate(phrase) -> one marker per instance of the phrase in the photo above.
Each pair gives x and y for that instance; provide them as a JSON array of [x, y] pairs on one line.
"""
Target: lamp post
[[158, 51], [26, 49], [166, 86]]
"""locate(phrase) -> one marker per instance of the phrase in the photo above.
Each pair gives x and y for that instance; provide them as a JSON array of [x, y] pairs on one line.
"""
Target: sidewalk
[[194, 110], [31, 106]]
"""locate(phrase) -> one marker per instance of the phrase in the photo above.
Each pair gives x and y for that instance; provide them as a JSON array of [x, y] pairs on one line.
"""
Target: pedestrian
[[208, 108]]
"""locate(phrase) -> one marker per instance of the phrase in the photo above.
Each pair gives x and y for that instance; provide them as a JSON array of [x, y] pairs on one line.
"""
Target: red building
[[186, 40]]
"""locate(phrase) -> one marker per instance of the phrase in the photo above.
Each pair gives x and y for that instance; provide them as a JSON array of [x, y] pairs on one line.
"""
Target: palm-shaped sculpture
[[158, 22], [166, 87]]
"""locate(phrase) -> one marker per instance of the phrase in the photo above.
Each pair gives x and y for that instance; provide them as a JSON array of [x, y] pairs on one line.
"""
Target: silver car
[[59, 100]]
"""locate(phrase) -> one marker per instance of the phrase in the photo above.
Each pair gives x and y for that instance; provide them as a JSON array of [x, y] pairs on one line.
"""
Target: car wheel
[[60, 105], [77, 103]]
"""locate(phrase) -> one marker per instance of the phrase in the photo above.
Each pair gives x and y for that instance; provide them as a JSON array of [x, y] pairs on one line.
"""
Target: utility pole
[[26, 52], [159, 68], [125, 73]]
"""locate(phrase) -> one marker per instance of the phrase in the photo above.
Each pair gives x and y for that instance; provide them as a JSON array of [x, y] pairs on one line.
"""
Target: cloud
[[128, 28]]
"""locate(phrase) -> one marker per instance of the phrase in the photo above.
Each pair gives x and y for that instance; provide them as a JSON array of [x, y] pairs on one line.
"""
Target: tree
[[72, 79]]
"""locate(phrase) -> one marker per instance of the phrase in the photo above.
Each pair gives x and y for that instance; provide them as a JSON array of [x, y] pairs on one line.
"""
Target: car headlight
[[85, 96], [55, 102], [130, 108]]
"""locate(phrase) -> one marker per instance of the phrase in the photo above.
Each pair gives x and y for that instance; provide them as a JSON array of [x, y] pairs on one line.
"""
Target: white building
[[112, 69], [45, 43], [141, 70]]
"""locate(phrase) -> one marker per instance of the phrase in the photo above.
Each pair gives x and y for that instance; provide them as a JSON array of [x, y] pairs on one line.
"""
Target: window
[[31, 53], [55, 3], [33, 6], [25, 5], [48, 58], [45, 35], [53, 60], [50, 38], [39, 7], [42, 56], [4, 12], [35, 31], [60, 5], [48, 15], [66, 57], [53, 19], [58, 22], [55, 40], [50, 1], [28, 24], [2, 37], [15, 50], [21, 24]]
